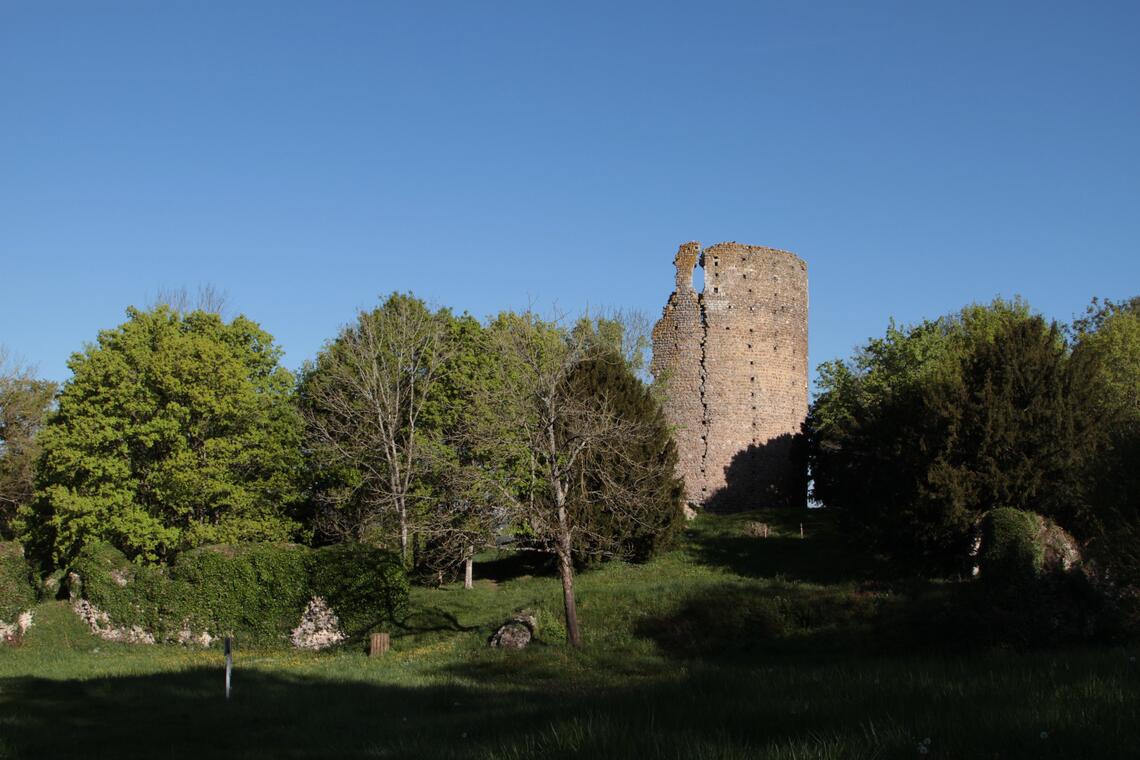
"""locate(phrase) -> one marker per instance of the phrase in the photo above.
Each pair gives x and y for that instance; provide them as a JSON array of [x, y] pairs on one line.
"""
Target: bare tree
[[562, 434], [364, 402], [208, 297], [628, 332]]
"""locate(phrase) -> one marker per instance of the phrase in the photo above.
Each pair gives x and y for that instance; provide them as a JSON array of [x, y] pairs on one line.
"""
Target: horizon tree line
[[414, 429]]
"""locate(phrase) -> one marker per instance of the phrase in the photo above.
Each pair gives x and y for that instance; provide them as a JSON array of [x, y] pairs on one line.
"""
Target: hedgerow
[[16, 590], [256, 592], [366, 587]]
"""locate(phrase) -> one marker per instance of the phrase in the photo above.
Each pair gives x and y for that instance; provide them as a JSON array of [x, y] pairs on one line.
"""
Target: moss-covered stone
[[1010, 554]]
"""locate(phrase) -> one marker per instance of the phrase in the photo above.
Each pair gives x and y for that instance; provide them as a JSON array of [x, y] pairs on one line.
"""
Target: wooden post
[[468, 572], [378, 644], [801, 530], [229, 664]]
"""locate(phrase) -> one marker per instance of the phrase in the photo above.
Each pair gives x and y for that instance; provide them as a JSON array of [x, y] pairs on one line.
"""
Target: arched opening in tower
[[699, 276]]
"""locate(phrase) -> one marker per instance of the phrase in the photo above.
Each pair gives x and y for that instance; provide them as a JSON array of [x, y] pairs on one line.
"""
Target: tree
[[367, 402], [1111, 332], [24, 405], [932, 425], [569, 415], [1022, 424], [175, 430], [457, 512], [1109, 337], [626, 497]]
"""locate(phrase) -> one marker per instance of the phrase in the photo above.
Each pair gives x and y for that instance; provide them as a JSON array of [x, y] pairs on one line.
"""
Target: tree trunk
[[563, 548], [566, 570], [468, 574], [403, 532]]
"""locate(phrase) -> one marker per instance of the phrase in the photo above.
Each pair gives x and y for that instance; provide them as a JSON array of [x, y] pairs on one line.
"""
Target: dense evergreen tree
[[931, 427], [873, 435], [626, 501], [1022, 424]]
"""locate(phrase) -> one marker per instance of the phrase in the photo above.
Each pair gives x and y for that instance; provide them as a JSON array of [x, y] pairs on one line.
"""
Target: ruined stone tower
[[735, 357]]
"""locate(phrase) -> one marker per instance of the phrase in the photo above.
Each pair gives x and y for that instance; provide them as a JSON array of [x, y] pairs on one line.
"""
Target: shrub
[[255, 591], [16, 590], [366, 587]]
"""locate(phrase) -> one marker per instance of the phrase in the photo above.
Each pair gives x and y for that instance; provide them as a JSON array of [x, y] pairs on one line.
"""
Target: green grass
[[729, 647]]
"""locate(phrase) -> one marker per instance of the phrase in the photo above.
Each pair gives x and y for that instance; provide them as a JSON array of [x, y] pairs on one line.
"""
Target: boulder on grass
[[516, 633], [1016, 545]]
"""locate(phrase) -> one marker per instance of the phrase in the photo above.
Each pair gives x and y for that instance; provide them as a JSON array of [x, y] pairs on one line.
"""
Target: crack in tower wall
[[704, 447], [734, 358]]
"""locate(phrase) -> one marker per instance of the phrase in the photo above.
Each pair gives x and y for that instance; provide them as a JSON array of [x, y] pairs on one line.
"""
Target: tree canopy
[[175, 430], [1108, 337], [929, 427]]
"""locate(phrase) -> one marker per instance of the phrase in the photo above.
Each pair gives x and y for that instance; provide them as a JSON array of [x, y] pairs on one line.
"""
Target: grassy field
[[728, 647]]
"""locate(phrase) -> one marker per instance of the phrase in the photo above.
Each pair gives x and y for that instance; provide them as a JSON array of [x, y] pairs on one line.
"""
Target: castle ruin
[[735, 360]]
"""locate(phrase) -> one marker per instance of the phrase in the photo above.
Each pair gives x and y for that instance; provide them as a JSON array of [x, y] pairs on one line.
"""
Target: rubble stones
[[100, 624], [15, 631], [319, 627], [187, 637]]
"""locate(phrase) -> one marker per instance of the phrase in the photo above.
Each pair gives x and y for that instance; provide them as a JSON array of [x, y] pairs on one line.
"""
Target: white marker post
[[229, 665]]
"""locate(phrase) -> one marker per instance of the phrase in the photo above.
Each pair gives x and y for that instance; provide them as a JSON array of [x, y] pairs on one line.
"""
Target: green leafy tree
[[175, 430], [459, 513], [1111, 333], [1109, 337], [24, 405]]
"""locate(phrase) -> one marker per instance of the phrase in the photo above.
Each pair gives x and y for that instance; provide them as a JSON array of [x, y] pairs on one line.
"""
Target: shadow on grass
[[544, 704], [740, 622], [789, 558], [820, 556], [425, 619], [508, 564], [184, 715]]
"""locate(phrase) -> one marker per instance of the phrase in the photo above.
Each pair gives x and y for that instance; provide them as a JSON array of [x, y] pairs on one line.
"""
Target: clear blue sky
[[308, 157]]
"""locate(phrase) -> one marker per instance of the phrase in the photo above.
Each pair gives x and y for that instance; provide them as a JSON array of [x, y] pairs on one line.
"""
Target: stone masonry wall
[[735, 359]]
